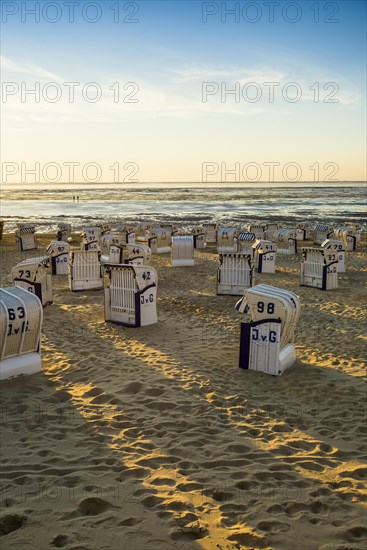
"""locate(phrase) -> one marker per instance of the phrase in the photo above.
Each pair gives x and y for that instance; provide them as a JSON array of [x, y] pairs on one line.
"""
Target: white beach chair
[[270, 228], [286, 240], [211, 232], [25, 238], [127, 232], [109, 239], [235, 273], [227, 240], [34, 276], [90, 239], [319, 268], [131, 295], [199, 232], [59, 254], [322, 232], [135, 254], [265, 253], [357, 229], [103, 228], [258, 228], [347, 235], [85, 271], [21, 317], [337, 247], [303, 231], [160, 239], [266, 342], [245, 242], [142, 231], [182, 253], [64, 231]]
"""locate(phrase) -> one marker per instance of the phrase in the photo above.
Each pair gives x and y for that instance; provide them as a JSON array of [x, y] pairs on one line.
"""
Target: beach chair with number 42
[[131, 295]]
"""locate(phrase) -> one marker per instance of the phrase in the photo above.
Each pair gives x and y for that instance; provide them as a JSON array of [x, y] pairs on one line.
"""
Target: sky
[[183, 91]]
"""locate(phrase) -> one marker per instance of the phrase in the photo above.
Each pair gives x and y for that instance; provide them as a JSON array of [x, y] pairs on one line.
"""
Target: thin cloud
[[28, 69]]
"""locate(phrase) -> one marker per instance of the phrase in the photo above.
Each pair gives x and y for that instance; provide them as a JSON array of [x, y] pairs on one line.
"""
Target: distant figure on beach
[[73, 198], [77, 198]]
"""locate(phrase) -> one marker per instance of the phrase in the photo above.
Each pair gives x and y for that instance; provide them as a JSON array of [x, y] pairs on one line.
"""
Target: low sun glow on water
[[183, 203]]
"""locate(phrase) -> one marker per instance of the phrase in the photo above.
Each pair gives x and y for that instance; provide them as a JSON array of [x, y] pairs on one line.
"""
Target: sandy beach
[[154, 438]]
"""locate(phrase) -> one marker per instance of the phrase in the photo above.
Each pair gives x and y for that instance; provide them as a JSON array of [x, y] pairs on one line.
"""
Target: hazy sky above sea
[[158, 55]]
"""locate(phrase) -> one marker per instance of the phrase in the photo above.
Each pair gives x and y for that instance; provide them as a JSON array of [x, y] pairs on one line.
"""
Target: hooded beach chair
[[131, 295], [270, 228], [64, 231], [59, 254], [265, 253], [142, 231], [303, 231], [182, 253], [266, 342], [357, 229], [245, 242], [235, 273], [21, 315], [211, 232], [25, 238], [109, 239], [34, 276], [258, 228], [286, 240], [160, 239], [347, 234], [127, 231], [227, 240], [85, 271], [199, 232], [90, 239], [322, 232], [135, 254], [319, 268], [338, 248]]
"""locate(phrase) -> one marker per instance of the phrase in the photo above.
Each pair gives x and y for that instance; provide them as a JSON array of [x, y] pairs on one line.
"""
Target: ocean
[[185, 204]]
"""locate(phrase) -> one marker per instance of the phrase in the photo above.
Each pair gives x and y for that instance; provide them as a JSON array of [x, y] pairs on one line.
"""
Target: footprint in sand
[[151, 501], [133, 387], [159, 481], [193, 531], [154, 392], [273, 526], [93, 506], [355, 534], [60, 541], [10, 523], [247, 540]]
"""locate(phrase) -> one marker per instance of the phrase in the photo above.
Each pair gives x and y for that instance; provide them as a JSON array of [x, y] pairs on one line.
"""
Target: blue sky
[[169, 53]]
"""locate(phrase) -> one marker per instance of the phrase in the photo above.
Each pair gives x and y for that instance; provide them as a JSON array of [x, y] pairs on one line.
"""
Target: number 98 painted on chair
[[266, 342]]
